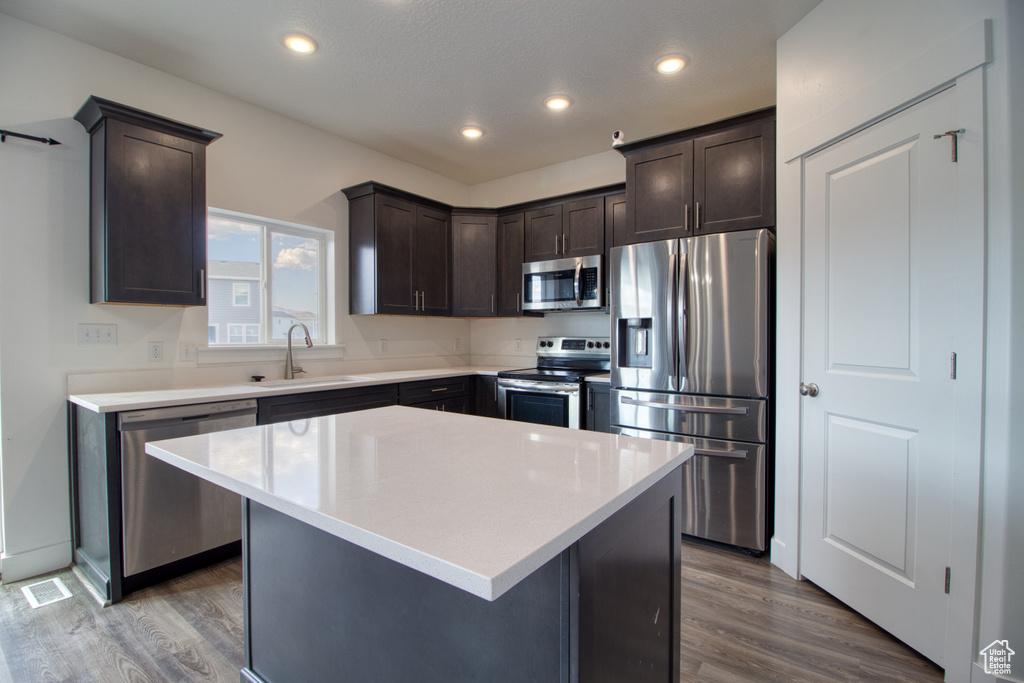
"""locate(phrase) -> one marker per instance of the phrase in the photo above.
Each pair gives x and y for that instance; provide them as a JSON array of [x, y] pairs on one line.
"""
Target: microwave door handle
[[577, 289]]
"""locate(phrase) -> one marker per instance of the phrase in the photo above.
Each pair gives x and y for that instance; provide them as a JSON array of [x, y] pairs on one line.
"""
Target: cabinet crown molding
[[96, 109]]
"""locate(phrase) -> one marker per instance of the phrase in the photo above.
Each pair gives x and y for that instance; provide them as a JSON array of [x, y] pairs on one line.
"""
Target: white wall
[[264, 165], [839, 50]]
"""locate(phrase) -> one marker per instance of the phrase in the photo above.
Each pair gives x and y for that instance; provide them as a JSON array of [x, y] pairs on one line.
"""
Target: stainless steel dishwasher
[[168, 514]]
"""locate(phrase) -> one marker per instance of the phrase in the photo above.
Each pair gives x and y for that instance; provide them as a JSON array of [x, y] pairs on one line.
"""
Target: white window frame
[[325, 272], [243, 288]]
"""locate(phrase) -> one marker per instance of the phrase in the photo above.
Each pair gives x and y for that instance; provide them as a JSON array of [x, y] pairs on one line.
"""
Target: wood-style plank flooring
[[743, 620]]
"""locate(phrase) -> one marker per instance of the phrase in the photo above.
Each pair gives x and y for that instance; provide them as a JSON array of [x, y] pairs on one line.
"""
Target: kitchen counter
[[404, 544], [159, 398], [399, 481]]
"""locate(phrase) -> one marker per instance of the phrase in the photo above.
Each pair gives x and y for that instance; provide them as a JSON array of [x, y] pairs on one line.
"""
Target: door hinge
[[947, 580], [952, 365]]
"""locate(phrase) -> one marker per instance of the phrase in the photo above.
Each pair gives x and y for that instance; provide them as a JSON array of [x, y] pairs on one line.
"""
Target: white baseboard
[[34, 562]]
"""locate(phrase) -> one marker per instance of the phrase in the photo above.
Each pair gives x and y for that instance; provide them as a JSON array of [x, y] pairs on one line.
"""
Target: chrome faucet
[[290, 368]]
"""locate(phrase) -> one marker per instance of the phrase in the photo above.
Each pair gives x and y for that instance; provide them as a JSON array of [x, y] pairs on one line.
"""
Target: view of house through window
[[263, 277]]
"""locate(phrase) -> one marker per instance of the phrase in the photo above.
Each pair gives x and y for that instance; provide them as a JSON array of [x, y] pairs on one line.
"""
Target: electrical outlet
[[155, 352], [90, 334], [187, 351], [456, 343], [383, 346], [519, 345]]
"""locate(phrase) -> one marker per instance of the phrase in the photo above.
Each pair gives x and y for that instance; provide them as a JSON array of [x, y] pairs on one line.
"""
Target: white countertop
[[161, 398], [475, 502]]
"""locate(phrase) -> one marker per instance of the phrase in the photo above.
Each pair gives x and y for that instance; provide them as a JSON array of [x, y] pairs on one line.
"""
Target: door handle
[[577, 289], [718, 410], [715, 453], [809, 390]]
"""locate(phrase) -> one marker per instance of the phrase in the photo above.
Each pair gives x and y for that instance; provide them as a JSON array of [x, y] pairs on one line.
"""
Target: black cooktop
[[551, 374], [565, 359]]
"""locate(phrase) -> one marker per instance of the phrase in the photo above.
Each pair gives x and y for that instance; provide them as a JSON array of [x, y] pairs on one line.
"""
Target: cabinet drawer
[[410, 393]]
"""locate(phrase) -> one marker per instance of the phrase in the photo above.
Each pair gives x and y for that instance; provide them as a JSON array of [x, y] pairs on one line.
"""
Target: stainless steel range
[[550, 393]]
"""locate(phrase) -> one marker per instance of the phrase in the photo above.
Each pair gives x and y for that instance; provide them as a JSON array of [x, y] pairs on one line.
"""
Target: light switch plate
[[94, 334]]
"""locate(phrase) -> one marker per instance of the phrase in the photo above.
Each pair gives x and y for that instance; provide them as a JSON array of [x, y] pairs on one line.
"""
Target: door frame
[[958, 61]]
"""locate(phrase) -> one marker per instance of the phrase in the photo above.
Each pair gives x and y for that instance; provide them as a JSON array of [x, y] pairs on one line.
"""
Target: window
[[263, 277], [243, 334], [240, 294]]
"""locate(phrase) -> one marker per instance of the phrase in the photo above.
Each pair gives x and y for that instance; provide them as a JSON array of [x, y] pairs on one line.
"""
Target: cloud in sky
[[296, 257]]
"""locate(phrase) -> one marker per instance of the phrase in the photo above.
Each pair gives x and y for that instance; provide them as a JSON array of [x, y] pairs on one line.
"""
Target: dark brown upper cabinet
[[510, 264], [147, 206], [565, 230], [400, 253], [715, 178], [475, 251]]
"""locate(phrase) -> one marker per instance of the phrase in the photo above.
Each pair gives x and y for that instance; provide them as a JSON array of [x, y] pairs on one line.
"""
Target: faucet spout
[[290, 368]]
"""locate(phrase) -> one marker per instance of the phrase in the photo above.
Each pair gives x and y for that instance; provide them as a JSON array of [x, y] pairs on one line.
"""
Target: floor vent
[[46, 592]]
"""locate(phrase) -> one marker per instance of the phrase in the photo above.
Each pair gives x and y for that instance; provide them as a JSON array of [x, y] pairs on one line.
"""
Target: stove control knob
[[607, 345], [590, 344]]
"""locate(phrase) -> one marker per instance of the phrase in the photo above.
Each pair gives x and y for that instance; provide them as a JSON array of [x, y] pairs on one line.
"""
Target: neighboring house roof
[[233, 270], [292, 313]]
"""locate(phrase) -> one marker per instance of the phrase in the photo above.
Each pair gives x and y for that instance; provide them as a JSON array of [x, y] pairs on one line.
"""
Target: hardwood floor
[[743, 620]]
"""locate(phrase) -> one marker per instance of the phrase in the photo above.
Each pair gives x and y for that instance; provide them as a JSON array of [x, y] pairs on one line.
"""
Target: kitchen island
[[401, 544]]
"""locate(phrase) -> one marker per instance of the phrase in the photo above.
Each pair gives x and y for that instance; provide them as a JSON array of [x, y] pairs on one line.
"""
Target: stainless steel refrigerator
[[692, 327]]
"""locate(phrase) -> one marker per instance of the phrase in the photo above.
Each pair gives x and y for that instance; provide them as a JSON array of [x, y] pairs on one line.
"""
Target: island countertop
[[475, 502]]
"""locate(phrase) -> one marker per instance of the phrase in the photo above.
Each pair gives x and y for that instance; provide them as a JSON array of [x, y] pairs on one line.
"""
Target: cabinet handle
[[686, 218], [202, 283], [441, 389], [556, 245], [423, 302], [696, 218], [565, 245], [495, 390], [519, 302]]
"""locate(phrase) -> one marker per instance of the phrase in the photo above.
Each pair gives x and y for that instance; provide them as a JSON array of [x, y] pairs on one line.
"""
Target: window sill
[[264, 353]]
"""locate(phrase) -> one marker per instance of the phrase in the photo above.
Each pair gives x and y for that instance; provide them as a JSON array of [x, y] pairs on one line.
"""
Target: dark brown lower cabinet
[[317, 403], [598, 416], [606, 608], [449, 394], [487, 396]]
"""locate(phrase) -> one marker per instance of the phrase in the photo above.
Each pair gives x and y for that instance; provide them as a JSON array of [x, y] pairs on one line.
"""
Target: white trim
[[35, 562], [915, 80], [262, 353]]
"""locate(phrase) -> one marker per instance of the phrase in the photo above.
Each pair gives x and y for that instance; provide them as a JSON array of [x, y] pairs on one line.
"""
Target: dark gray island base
[[319, 608]]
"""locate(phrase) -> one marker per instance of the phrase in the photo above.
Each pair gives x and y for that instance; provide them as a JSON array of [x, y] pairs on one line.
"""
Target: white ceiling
[[404, 76]]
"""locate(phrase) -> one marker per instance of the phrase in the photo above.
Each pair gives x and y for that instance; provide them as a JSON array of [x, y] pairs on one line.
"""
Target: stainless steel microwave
[[566, 284]]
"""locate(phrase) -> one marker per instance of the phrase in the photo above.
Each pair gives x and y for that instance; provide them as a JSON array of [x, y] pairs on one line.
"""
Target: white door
[[880, 274]]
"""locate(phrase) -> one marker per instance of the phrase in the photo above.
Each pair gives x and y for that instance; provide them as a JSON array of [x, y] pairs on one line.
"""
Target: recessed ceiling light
[[670, 65], [300, 43], [557, 103], [472, 132]]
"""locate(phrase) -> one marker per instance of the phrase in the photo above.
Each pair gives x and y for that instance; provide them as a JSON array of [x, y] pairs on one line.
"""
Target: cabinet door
[[734, 179], [543, 234], [274, 409], [475, 244], [154, 249], [583, 227], [433, 259], [598, 415], [395, 227], [487, 396], [510, 265], [614, 223], [659, 192]]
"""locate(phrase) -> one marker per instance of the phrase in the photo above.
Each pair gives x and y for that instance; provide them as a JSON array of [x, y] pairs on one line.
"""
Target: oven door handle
[[718, 410], [577, 286], [549, 387]]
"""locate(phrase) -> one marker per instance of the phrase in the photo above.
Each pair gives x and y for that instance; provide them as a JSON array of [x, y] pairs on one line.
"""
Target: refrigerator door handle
[[673, 380], [577, 289], [715, 453], [717, 410], [681, 307]]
